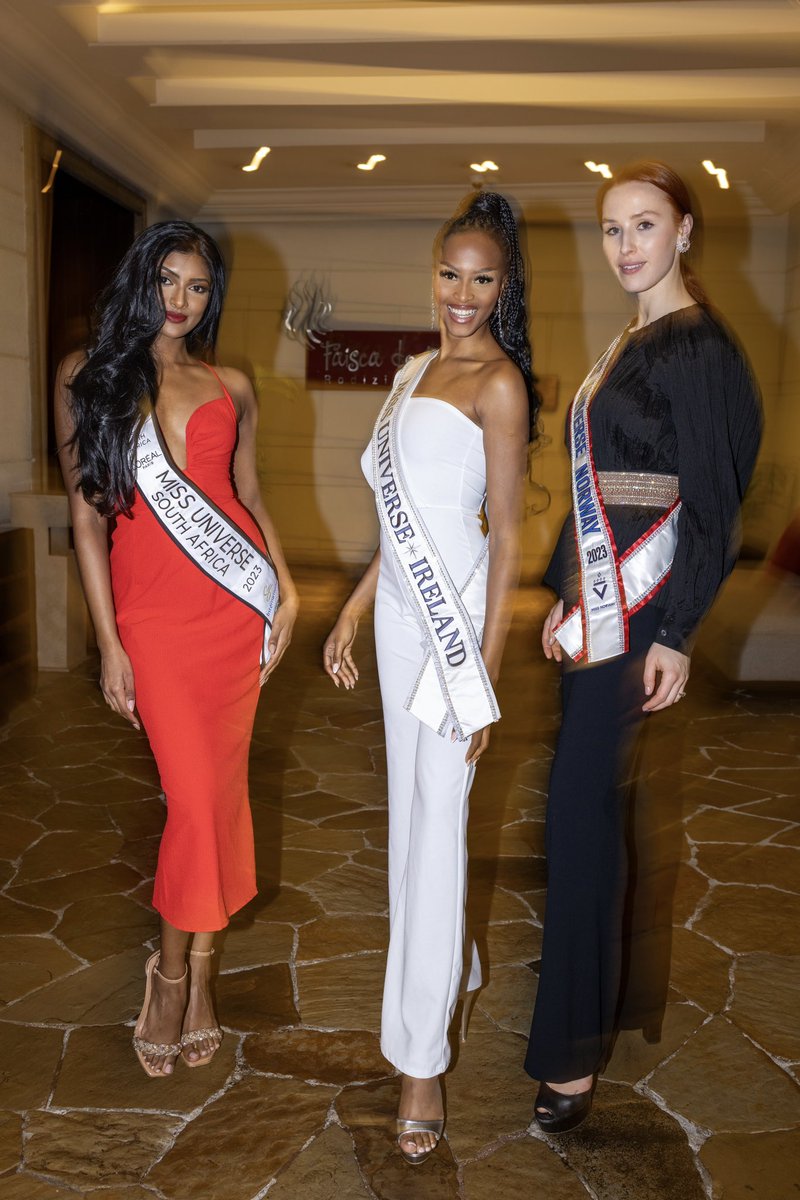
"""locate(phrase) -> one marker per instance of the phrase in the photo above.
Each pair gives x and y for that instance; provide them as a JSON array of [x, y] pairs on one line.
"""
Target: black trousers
[[579, 980]]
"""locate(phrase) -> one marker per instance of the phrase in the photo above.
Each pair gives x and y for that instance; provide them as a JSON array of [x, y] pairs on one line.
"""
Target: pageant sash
[[612, 588], [453, 689], [214, 543]]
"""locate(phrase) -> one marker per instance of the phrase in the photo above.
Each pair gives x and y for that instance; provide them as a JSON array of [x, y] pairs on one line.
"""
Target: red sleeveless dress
[[195, 652]]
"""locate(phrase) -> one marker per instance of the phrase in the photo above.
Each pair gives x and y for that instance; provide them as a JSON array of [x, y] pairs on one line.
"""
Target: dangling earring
[[434, 313], [683, 243], [499, 312]]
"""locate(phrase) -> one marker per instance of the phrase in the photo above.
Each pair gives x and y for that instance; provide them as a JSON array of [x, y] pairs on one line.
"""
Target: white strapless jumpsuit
[[428, 779]]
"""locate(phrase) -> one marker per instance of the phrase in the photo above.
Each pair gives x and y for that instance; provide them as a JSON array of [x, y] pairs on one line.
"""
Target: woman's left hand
[[280, 637], [673, 667], [477, 744]]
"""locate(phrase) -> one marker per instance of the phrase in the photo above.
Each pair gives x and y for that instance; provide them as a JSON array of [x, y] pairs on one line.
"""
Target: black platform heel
[[562, 1112]]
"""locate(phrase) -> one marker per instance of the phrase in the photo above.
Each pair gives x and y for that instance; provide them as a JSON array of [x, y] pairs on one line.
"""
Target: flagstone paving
[[299, 1103]]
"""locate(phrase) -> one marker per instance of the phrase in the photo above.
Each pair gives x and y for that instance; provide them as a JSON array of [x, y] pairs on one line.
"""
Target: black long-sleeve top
[[680, 400]]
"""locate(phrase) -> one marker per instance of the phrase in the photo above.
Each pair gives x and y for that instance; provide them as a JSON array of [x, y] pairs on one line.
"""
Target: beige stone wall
[[15, 382], [786, 432], [378, 273]]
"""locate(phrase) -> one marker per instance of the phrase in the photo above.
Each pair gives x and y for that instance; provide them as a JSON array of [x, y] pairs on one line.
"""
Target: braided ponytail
[[491, 213]]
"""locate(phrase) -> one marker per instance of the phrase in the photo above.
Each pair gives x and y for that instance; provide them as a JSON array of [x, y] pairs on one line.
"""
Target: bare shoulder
[[240, 387], [503, 395], [68, 368], [70, 365]]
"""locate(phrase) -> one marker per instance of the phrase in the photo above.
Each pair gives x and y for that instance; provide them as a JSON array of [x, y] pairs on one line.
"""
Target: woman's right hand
[[551, 647], [116, 684], [337, 659]]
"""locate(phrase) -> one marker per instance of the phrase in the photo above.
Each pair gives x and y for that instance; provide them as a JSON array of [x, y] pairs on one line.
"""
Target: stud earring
[[683, 243]]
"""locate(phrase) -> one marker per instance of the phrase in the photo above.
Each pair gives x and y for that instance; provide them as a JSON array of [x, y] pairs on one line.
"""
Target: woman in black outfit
[[663, 438]]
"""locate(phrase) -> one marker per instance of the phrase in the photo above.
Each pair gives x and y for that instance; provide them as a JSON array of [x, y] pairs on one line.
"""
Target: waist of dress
[[463, 510], [638, 488]]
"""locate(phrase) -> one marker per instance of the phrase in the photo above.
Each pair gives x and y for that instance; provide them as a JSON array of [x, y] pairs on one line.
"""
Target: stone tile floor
[[299, 1103]]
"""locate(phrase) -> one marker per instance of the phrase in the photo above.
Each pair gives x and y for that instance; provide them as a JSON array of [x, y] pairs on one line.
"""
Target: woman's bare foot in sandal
[[201, 1034], [157, 1038], [420, 1117]]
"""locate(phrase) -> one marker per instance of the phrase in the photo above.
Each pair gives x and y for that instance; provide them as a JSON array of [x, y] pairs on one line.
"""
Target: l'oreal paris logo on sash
[[611, 588], [213, 542], [452, 690]]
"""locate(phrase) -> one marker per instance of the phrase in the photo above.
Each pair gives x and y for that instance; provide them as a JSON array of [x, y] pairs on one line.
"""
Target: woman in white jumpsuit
[[450, 443]]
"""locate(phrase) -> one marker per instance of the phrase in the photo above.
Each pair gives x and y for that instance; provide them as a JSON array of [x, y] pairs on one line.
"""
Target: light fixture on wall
[[257, 159], [51, 178], [720, 173], [599, 168], [371, 162], [486, 165]]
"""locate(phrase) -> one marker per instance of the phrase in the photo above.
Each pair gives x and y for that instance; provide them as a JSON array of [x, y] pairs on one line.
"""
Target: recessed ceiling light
[[257, 159], [599, 169], [486, 165], [371, 162], [720, 172]]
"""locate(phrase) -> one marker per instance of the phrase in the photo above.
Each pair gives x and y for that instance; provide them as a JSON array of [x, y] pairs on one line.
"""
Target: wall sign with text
[[349, 358]]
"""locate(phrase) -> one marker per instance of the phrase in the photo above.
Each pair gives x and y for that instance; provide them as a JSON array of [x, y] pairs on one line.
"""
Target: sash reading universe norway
[[452, 690], [214, 543], [612, 587]]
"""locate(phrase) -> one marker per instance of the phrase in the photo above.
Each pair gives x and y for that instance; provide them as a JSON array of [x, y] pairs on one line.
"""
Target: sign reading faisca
[[363, 357]]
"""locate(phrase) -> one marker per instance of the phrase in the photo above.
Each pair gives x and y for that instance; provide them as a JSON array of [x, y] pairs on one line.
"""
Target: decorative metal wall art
[[308, 310]]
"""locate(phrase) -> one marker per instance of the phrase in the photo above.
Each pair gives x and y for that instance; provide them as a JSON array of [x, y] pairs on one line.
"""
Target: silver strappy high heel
[[406, 1126]]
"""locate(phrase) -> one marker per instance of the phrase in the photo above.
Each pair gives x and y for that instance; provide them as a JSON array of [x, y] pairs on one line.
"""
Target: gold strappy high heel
[[195, 1036], [140, 1046]]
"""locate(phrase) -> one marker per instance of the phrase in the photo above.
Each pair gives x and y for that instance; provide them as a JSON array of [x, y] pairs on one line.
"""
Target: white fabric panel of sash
[[609, 588], [643, 569], [214, 543], [453, 689]]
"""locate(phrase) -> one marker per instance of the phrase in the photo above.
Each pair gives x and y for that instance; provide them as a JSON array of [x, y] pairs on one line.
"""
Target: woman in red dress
[[178, 651]]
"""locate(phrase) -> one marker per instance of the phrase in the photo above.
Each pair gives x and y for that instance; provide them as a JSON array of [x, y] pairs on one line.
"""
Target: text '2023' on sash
[[205, 534], [453, 687]]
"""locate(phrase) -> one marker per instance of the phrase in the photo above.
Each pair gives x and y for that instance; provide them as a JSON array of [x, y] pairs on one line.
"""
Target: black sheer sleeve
[[716, 412]]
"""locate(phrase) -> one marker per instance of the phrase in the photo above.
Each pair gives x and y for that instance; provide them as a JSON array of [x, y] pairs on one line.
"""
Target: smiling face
[[185, 283], [467, 281], [640, 235]]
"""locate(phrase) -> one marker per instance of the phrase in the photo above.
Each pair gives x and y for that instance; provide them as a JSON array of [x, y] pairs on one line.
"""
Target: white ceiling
[[175, 96]]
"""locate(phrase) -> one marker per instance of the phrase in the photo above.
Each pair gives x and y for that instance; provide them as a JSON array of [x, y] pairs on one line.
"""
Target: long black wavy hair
[[120, 370], [491, 213]]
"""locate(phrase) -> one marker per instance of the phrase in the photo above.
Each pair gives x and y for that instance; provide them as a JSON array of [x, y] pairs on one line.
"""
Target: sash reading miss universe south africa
[[612, 587], [214, 543], [452, 690]]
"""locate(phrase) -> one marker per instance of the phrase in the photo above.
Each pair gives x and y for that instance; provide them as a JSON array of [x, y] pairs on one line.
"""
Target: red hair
[[651, 171]]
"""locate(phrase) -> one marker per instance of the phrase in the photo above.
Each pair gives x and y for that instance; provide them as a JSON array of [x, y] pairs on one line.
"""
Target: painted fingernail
[[335, 667]]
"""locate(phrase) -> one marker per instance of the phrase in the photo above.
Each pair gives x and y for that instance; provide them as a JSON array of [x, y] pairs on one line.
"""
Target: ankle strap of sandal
[[201, 953], [166, 978]]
